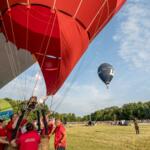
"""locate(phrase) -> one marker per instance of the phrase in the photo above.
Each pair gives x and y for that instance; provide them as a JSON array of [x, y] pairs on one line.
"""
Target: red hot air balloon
[[56, 32]]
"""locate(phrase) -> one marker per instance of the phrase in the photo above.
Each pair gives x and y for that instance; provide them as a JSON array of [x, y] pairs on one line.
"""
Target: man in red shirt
[[60, 136], [3, 136], [29, 140]]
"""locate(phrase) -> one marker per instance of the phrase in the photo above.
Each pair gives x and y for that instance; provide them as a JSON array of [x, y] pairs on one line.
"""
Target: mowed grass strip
[[107, 137]]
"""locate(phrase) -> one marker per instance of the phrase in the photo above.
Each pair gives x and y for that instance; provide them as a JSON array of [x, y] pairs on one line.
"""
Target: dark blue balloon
[[106, 73]]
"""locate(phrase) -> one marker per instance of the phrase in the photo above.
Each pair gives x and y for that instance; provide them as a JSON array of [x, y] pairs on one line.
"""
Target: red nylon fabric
[[39, 29], [74, 42], [84, 14], [57, 38]]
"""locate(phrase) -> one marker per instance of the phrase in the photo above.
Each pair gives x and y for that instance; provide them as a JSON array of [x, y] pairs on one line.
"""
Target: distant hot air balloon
[[5, 109], [55, 32], [106, 73]]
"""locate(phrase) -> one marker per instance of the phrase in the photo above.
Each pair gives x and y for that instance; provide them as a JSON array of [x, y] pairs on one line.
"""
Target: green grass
[[107, 137]]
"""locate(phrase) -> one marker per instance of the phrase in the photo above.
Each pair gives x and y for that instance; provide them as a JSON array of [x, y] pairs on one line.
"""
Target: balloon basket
[[44, 143], [10, 148]]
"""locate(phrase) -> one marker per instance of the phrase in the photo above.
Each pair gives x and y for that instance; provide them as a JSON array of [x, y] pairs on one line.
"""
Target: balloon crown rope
[[30, 105]]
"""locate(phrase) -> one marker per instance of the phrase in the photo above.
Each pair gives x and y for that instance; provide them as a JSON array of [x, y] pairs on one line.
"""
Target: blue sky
[[125, 44]]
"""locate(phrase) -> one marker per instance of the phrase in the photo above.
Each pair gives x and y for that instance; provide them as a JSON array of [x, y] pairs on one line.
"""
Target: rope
[[13, 62], [10, 56], [27, 34], [9, 52], [54, 4], [104, 23], [51, 103], [45, 51], [41, 48], [71, 84], [77, 10], [14, 40], [108, 7], [17, 65], [47, 22], [28, 3], [96, 15], [10, 63], [46, 29]]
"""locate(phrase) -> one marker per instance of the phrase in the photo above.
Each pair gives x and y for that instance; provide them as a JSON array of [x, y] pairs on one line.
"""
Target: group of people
[[28, 137]]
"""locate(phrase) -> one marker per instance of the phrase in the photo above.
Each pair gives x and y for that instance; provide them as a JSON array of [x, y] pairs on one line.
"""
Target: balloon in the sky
[[106, 73], [5, 109], [55, 32]]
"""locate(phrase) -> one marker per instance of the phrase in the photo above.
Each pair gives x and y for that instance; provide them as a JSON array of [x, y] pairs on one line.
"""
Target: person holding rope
[[29, 140], [50, 125]]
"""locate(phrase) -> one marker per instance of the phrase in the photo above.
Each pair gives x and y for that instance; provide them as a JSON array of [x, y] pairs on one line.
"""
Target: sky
[[125, 44]]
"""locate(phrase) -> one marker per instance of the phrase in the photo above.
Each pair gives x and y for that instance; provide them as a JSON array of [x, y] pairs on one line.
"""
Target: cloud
[[133, 34], [25, 85], [82, 99]]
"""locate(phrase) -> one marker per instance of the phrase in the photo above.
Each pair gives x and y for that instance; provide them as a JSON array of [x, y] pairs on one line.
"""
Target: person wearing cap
[[60, 136], [29, 140], [3, 136]]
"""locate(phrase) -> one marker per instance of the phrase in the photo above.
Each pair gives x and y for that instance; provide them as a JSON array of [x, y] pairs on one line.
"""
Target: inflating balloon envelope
[[56, 33]]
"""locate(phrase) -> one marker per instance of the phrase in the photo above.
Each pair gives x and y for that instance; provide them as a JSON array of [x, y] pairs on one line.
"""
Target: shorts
[[61, 148]]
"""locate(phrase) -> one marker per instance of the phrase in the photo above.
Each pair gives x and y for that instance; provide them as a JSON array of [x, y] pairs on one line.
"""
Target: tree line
[[139, 110]]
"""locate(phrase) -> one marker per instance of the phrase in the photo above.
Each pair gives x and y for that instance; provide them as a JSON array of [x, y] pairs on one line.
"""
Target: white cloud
[[82, 99], [25, 85], [134, 34]]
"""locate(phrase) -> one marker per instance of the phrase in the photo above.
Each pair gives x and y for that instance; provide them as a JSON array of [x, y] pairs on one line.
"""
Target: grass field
[[107, 137]]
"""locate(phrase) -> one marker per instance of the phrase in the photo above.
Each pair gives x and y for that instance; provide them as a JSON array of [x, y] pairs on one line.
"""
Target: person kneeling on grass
[[29, 140], [60, 136]]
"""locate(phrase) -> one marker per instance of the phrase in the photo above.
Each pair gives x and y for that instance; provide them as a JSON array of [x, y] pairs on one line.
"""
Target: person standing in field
[[136, 126], [60, 136], [3, 136]]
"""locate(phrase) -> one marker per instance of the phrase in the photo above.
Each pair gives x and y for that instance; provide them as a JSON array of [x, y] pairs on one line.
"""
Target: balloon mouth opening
[[107, 86]]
